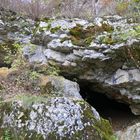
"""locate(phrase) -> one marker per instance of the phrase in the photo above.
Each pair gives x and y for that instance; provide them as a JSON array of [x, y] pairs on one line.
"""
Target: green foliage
[[33, 75], [53, 30], [27, 78], [108, 39], [48, 21], [51, 70], [11, 52], [6, 135], [135, 33]]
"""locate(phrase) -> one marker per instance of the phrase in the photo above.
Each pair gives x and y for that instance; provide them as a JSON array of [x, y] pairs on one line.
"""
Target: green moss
[[88, 40], [83, 37], [53, 30], [8, 52], [1, 87], [46, 28], [30, 99], [135, 33], [104, 129], [47, 89], [53, 136], [77, 135], [45, 19], [77, 41], [32, 48], [51, 70], [137, 29], [103, 28], [32, 136], [77, 32], [106, 27], [109, 40], [64, 39]]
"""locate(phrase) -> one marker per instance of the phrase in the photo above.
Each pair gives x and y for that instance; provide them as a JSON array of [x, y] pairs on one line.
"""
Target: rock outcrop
[[104, 53], [13, 29], [52, 118], [58, 112]]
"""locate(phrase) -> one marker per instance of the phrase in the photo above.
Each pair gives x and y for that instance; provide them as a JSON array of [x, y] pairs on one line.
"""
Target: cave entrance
[[5, 65], [119, 114]]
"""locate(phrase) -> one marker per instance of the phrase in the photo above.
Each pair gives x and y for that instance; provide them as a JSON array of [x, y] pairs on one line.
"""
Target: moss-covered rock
[[81, 36], [55, 118], [7, 52]]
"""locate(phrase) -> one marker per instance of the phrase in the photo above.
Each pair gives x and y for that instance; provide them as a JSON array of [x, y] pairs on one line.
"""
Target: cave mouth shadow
[[119, 114], [5, 65]]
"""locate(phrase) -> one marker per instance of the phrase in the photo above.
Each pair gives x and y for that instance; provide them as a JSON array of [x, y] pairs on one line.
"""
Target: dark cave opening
[[5, 65], [119, 114]]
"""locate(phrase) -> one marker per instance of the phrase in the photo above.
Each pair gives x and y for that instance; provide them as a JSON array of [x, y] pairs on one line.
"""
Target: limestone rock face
[[131, 133], [104, 53], [56, 112], [59, 86], [52, 118], [13, 28]]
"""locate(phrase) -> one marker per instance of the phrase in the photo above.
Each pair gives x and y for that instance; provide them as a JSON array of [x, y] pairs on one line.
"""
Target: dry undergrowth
[[72, 8]]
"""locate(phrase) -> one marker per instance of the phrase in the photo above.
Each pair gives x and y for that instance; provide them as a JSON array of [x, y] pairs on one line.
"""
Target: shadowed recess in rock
[[119, 114]]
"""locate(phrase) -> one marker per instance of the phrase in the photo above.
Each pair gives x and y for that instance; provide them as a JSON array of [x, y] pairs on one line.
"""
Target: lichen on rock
[[56, 118]]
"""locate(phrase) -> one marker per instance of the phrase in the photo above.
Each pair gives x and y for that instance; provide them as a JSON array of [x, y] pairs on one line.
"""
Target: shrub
[[87, 9]]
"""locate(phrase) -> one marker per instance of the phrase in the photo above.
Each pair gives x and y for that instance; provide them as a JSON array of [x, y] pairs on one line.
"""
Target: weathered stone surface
[[34, 54], [52, 118], [104, 53], [131, 133], [13, 29], [56, 112], [59, 86]]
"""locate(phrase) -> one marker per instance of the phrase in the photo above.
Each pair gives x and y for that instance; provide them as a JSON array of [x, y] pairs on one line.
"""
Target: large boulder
[[52, 118], [104, 54], [55, 111]]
